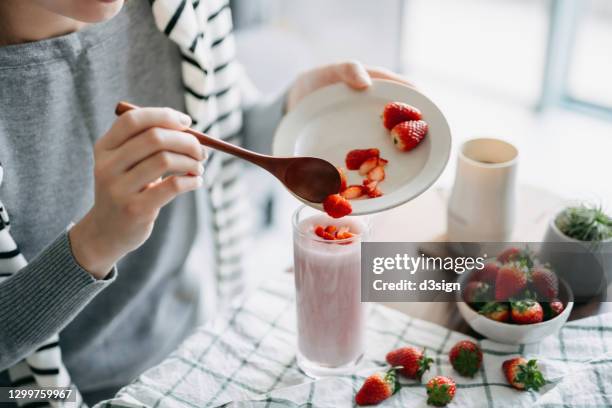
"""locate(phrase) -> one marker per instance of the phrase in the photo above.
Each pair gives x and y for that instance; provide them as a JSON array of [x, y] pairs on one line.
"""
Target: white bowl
[[509, 333]]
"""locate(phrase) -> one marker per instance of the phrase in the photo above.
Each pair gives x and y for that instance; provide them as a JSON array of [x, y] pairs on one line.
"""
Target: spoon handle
[[248, 155]]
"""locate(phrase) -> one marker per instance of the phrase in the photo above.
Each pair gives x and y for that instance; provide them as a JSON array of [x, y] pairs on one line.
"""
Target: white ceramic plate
[[336, 119]]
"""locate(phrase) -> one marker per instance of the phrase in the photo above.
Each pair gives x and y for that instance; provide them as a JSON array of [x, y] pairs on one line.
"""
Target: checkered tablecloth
[[247, 359]]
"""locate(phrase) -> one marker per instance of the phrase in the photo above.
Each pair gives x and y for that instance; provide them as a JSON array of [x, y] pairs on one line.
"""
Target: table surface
[[424, 220], [246, 358]]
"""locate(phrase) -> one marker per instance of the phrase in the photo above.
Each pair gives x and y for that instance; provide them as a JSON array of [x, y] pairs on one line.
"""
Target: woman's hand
[[142, 146], [352, 73]]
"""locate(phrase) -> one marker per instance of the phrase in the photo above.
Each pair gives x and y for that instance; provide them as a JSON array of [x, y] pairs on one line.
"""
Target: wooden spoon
[[309, 178]]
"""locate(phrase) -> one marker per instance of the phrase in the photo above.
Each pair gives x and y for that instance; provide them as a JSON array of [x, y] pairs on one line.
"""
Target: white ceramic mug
[[482, 203]]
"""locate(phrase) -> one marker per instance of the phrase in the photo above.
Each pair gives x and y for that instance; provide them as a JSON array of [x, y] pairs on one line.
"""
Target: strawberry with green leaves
[[513, 254], [555, 308], [545, 283], [488, 273], [466, 358], [440, 391], [377, 388], [398, 112], [523, 374], [526, 311], [496, 311], [414, 362], [511, 280]]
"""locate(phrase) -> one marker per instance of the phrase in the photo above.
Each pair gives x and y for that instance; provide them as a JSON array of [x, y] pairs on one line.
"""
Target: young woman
[[130, 185]]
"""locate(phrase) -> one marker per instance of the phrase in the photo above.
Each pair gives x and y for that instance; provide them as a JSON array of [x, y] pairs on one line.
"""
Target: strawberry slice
[[343, 182], [321, 232], [352, 192], [376, 174], [356, 157], [368, 165], [371, 188], [337, 206], [398, 112], [330, 229], [332, 233], [344, 235], [407, 135]]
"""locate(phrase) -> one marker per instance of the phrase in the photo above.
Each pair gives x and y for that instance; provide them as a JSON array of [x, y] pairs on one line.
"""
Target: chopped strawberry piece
[[375, 193], [343, 182], [330, 229], [344, 235], [369, 184], [356, 157], [332, 232], [352, 192], [337, 206], [382, 162], [368, 165], [377, 173], [371, 188], [407, 135], [323, 233], [398, 112]]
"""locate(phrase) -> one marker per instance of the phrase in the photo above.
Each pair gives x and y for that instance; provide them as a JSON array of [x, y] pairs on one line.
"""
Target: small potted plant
[[578, 244]]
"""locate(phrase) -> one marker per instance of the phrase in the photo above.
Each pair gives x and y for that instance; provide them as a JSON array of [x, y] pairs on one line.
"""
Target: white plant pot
[[585, 266]]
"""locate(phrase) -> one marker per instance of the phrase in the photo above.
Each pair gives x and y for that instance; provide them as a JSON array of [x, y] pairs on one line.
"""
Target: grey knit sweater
[[56, 97]]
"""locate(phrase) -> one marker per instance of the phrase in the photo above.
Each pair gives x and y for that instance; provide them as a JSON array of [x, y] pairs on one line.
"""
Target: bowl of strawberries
[[514, 299]]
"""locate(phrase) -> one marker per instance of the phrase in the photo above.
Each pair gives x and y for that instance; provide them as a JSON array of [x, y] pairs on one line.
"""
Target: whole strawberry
[[526, 312], [553, 308], [407, 135], [511, 280], [523, 374], [545, 283], [414, 362], [337, 206], [556, 307], [440, 391], [513, 254], [508, 255], [496, 311], [488, 273], [377, 388], [466, 358], [398, 112]]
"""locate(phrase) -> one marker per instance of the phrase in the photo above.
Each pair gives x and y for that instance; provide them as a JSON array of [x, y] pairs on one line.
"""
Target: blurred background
[[533, 72]]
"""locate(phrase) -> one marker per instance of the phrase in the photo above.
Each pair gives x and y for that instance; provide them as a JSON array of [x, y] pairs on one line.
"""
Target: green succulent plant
[[585, 223]]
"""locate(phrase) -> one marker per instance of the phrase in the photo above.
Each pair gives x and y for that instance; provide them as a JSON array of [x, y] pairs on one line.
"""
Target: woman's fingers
[[136, 121], [383, 73], [153, 141], [164, 191], [353, 74], [158, 165]]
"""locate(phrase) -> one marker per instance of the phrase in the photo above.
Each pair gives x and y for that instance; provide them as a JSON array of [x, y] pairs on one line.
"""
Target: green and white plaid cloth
[[247, 359]]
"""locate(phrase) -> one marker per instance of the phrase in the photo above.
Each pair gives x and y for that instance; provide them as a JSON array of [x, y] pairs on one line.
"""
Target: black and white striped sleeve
[[42, 298]]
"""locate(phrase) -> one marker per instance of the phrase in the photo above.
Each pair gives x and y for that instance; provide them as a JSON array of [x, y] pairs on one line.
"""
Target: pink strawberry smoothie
[[330, 315]]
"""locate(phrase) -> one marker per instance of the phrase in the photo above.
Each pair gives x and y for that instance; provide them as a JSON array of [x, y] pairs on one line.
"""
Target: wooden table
[[424, 220]]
